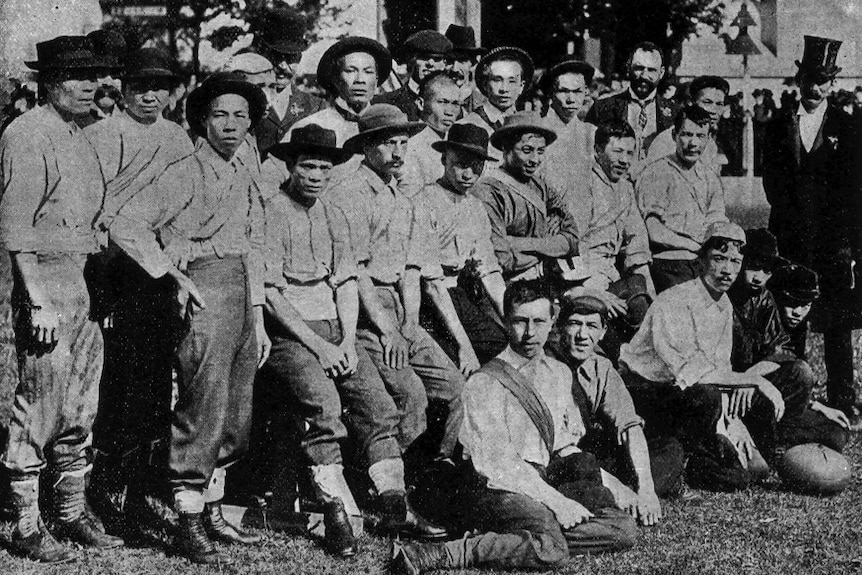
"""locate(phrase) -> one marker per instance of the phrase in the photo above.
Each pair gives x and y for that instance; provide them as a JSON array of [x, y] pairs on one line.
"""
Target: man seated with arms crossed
[[528, 492], [614, 431], [679, 363], [459, 221], [679, 198], [530, 221], [611, 231]]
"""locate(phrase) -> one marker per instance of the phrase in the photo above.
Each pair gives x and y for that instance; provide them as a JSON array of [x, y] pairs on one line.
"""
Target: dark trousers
[[58, 389], [633, 291], [360, 400], [668, 273], [487, 336], [217, 359], [838, 355]]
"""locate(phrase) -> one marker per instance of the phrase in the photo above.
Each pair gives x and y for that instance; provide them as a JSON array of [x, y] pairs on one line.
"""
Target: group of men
[[473, 319]]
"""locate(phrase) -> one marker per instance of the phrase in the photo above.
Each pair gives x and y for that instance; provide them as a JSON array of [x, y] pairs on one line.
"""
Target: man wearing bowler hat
[[394, 251], [208, 213], [51, 198], [465, 55], [140, 327], [460, 224], [424, 52], [810, 183]]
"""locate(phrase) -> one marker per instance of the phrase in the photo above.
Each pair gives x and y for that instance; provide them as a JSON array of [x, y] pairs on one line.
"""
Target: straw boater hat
[[378, 120], [566, 67], [65, 53], [326, 71], [310, 139], [217, 85], [468, 138], [505, 53], [151, 63], [523, 123]]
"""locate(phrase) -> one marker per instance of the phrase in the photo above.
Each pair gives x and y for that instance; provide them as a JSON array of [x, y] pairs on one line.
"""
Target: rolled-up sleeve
[[613, 402]]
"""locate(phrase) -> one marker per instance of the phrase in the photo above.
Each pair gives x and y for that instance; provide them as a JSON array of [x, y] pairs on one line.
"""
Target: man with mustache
[[646, 111], [679, 198], [530, 221], [613, 251], [426, 52], [465, 55], [679, 363]]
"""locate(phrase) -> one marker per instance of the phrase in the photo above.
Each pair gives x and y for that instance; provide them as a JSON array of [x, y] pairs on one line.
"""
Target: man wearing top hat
[[141, 327], [424, 52], [460, 224], [530, 221], [394, 250], [207, 212], [51, 198], [465, 55], [279, 36], [809, 182]]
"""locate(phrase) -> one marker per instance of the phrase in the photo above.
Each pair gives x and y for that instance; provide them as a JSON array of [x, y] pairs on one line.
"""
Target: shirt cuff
[[693, 371]]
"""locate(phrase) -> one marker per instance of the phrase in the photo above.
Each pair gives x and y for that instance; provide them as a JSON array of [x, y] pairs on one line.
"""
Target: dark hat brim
[[92, 65], [287, 150], [325, 68], [354, 144], [505, 53], [199, 99], [154, 73], [504, 133], [477, 51], [285, 46], [567, 67], [477, 151], [817, 72]]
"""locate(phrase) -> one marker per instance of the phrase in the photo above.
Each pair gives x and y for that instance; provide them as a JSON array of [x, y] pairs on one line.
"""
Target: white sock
[[330, 480], [388, 475]]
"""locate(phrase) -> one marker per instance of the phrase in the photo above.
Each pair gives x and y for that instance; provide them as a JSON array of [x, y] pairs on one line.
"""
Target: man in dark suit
[[808, 179], [425, 52], [280, 38], [640, 106]]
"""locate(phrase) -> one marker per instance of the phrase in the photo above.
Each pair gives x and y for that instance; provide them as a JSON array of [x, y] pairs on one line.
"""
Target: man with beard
[[280, 38], [530, 221], [425, 52], [440, 108], [813, 188], [679, 199], [133, 424], [465, 54], [646, 111]]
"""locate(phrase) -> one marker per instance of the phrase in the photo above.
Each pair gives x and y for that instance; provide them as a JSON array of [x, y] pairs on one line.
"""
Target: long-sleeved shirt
[[52, 192], [686, 201], [664, 145], [685, 335], [758, 334], [530, 209], [201, 206], [132, 155], [501, 439], [610, 225], [568, 161], [460, 223], [308, 254], [424, 160], [385, 233]]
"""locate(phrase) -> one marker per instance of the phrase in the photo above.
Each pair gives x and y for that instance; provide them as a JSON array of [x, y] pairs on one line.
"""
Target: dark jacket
[[403, 99], [615, 109], [758, 334], [272, 129]]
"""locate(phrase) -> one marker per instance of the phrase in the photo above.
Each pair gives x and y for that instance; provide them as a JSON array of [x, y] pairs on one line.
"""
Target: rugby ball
[[815, 469]]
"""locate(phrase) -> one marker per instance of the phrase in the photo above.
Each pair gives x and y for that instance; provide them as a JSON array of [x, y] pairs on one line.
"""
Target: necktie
[[642, 117]]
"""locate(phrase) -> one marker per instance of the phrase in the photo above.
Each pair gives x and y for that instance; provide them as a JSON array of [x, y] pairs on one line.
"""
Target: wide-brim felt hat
[[311, 139], [217, 85], [282, 30], [326, 67], [151, 63], [463, 40], [468, 138], [65, 53], [109, 48], [818, 58], [523, 123], [566, 67], [505, 53], [378, 120]]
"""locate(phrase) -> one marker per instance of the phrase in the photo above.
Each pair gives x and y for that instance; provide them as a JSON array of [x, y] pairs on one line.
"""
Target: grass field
[[762, 530]]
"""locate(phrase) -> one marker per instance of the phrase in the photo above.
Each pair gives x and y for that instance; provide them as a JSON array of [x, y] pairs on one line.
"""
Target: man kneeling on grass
[[530, 493]]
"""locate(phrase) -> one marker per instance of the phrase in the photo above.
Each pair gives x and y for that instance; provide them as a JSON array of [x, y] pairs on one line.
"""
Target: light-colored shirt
[[308, 254], [422, 159], [460, 223], [52, 188], [279, 101], [133, 154], [201, 206], [686, 201], [609, 401], [610, 224], [664, 145], [385, 234], [567, 162], [810, 123], [491, 119], [685, 335], [501, 439]]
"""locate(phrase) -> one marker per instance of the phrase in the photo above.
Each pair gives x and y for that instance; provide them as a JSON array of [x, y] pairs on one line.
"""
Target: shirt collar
[[646, 101], [375, 181], [697, 169], [818, 111], [494, 114], [600, 173], [413, 86], [518, 361], [705, 298], [341, 106], [52, 113], [208, 154]]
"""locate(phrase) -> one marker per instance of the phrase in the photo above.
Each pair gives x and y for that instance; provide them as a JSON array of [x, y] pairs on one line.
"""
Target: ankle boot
[[193, 544], [30, 537], [75, 520], [397, 517], [415, 558], [338, 538], [220, 530]]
